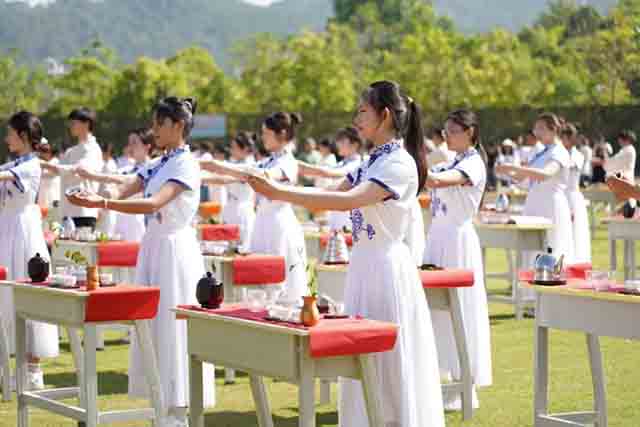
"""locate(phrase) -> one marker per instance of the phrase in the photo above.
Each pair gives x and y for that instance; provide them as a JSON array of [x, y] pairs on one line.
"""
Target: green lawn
[[507, 403]]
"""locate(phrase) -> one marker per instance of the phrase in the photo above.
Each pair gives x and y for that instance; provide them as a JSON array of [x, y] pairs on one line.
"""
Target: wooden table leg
[[592, 215], [78, 360], [463, 354], [5, 365], [306, 391], [196, 411], [632, 259], [90, 375], [261, 400], [151, 372], [325, 392], [613, 256], [517, 291], [598, 378], [370, 390], [21, 370], [541, 372]]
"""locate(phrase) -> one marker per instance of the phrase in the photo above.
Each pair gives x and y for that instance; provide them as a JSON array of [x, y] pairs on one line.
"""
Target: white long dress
[[240, 208], [452, 242], [383, 284], [277, 231], [49, 187], [416, 239], [548, 199], [130, 227], [22, 238], [578, 206], [170, 259], [338, 219]]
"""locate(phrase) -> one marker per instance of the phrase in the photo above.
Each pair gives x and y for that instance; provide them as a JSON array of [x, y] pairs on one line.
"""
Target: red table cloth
[[324, 240], [118, 254], [330, 337], [116, 303], [574, 271], [259, 270], [447, 278], [220, 232], [3, 273]]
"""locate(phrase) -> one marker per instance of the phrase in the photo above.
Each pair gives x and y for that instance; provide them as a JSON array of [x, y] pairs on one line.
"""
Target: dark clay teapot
[[38, 269], [210, 292]]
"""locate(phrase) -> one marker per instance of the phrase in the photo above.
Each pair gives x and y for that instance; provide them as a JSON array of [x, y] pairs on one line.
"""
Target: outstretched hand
[[86, 199], [261, 184]]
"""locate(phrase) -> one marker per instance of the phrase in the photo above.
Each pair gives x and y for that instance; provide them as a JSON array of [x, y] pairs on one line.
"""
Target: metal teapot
[[337, 251], [548, 268], [210, 292], [38, 269]]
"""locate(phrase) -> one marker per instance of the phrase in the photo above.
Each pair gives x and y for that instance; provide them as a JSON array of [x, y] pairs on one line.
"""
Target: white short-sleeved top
[[459, 204], [23, 190], [288, 165], [555, 152], [349, 164], [240, 193], [393, 168], [178, 166]]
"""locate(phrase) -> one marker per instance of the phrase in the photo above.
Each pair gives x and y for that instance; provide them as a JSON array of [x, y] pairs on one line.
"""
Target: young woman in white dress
[[139, 145], [548, 173], [277, 231], [382, 281], [577, 204], [241, 199], [169, 255], [49, 183], [457, 189], [349, 145], [21, 234]]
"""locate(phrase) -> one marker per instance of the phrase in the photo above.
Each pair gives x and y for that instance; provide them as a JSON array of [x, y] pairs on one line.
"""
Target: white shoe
[[173, 421], [35, 380]]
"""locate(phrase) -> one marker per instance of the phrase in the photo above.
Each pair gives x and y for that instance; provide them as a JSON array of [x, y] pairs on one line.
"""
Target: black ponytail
[[407, 120], [414, 142], [27, 125], [178, 110]]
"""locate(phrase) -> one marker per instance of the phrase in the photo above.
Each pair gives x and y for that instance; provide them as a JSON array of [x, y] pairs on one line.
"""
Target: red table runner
[[3, 273], [447, 278], [118, 254], [258, 270], [220, 232], [116, 303], [573, 271], [330, 337]]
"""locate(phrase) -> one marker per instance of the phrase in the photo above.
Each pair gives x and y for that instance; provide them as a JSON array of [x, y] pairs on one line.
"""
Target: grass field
[[508, 402]]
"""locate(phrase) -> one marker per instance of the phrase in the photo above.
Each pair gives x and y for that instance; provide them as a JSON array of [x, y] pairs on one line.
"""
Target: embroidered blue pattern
[[383, 149], [153, 172], [5, 192], [370, 231], [357, 222]]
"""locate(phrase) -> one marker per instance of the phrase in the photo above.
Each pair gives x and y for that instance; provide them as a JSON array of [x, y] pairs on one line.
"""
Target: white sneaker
[[35, 380]]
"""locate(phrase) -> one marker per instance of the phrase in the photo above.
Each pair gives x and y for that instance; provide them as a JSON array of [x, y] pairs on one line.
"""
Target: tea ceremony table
[[627, 230], [81, 310], [235, 337], [241, 272], [441, 290], [599, 193], [595, 314], [517, 238]]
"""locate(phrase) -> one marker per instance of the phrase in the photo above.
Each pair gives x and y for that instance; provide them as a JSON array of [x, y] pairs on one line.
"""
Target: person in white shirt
[[530, 147], [441, 153], [327, 149], [86, 154], [508, 156], [624, 160], [584, 146], [49, 183]]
